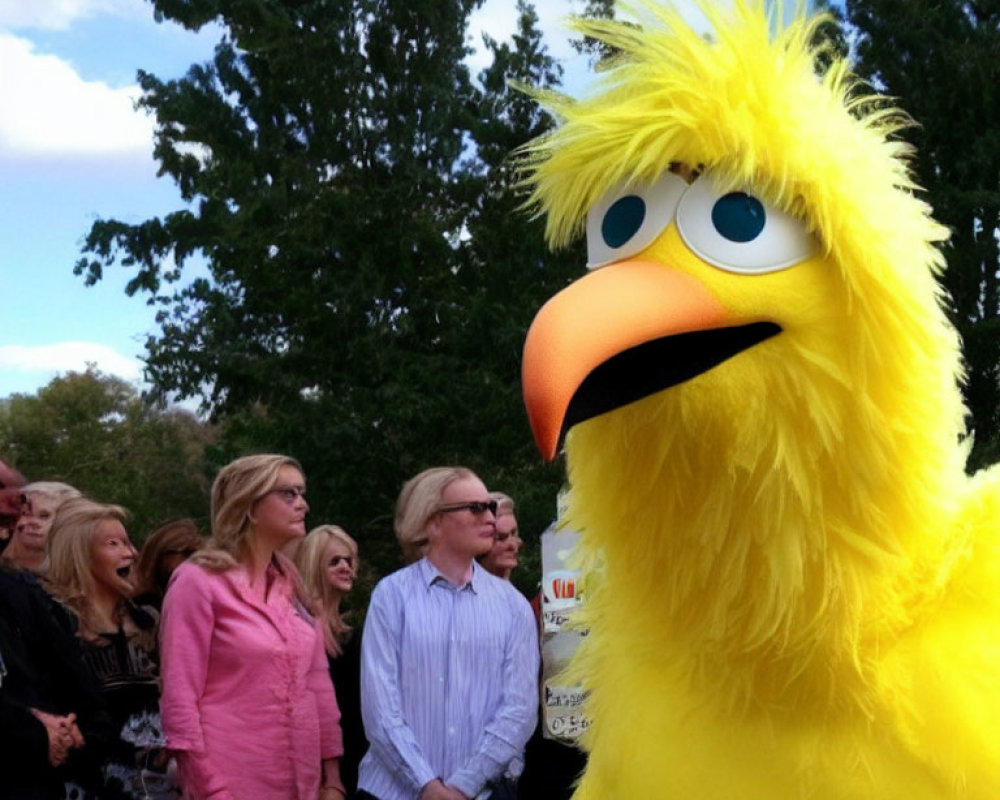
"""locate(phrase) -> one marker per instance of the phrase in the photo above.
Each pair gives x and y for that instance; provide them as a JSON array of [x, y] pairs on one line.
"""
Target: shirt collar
[[429, 575]]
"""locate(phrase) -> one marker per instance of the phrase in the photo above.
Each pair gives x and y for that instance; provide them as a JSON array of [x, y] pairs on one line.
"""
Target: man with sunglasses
[[449, 657]]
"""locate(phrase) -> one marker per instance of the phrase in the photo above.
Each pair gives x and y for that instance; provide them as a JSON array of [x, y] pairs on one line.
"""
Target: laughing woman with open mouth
[[92, 571]]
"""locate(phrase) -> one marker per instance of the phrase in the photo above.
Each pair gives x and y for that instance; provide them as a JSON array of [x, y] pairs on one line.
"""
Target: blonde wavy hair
[[415, 507], [312, 568], [70, 540], [237, 487]]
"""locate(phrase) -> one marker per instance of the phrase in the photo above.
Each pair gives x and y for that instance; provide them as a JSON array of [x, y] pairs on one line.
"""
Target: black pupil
[[622, 220], [739, 217]]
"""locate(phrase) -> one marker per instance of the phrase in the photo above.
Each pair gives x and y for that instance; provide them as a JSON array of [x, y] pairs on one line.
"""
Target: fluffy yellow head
[[746, 102], [770, 500]]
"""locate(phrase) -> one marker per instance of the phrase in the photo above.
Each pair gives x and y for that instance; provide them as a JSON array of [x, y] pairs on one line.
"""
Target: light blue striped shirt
[[448, 681]]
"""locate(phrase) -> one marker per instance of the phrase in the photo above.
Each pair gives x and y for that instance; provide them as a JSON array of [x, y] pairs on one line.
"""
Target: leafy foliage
[[371, 276], [94, 432], [940, 60]]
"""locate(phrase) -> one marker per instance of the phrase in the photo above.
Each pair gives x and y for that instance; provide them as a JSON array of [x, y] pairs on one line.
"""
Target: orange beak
[[615, 336]]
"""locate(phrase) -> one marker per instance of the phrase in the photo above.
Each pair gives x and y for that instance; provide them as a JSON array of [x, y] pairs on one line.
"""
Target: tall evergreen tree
[[939, 58]]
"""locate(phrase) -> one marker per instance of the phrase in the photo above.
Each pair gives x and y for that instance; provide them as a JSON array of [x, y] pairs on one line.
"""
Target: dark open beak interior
[[656, 365]]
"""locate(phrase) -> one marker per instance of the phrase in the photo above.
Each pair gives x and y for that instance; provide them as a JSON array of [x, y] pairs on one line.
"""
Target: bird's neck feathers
[[780, 511]]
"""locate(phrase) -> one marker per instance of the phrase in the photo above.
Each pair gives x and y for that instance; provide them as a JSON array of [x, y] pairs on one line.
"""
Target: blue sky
[[73, 150]]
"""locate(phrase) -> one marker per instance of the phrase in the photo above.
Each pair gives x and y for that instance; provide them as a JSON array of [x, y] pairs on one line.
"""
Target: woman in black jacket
[[53, 729]]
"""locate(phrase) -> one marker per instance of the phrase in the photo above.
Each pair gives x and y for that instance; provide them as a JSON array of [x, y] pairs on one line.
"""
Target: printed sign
[[563, 718], [562, 706]]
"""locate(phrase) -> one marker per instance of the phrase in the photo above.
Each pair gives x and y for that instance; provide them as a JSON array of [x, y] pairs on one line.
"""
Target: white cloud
[[59, 14], [68, 357], [47, 108], [498, 18]]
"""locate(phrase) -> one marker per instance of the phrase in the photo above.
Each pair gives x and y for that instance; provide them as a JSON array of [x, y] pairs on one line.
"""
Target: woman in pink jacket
[[248, 707]]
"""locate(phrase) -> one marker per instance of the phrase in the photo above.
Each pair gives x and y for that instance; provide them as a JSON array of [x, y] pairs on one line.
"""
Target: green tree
[[96, 433], [508, 273], [939, 59], [317, 155], [371, 276]]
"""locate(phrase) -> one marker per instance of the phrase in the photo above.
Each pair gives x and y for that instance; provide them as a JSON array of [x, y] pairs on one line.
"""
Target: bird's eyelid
[[629, 217], [738, 232]]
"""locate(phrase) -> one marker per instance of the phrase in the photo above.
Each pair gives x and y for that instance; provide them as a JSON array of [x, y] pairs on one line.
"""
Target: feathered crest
[[744, 100]]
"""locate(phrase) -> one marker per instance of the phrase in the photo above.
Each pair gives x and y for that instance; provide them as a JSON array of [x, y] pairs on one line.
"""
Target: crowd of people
[[223, 668]]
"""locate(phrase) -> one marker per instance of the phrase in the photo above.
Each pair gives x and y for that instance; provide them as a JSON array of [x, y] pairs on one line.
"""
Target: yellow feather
[[793, 589]]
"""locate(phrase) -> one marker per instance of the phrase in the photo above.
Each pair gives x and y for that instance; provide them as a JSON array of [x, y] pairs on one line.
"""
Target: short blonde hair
[[416, 505], [239, 485], [69, 547], [54, 490], [505, 503], [312, 568], [40, 494]]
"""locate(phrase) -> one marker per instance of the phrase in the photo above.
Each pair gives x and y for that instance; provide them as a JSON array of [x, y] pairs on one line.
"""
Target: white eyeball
[[627, 220], [740, 233]]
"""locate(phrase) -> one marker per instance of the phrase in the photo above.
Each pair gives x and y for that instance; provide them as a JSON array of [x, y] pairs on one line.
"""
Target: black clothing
[[151, 599], [42, 669], [551, 768], [127, 669], [345, 670]]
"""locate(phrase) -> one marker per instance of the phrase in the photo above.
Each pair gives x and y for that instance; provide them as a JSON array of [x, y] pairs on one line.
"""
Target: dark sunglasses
[[335, 561], [477, 507]]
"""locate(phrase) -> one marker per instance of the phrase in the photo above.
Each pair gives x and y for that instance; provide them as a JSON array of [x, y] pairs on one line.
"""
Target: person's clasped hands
[[437, 789], [63, 733]]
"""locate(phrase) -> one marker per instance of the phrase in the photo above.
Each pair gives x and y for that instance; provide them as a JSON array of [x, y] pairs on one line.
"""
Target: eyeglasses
[[335, 561], [503, 537], [477, 507], [289, 493]]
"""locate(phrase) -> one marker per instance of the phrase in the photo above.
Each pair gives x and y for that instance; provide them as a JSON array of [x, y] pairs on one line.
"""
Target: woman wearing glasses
[[247, 703], [328, 563]]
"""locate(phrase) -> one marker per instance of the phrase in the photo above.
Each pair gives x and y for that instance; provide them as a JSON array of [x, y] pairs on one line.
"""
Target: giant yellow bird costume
[[794, 589]]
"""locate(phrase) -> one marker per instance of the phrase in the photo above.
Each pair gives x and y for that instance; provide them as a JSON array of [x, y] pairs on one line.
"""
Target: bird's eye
[[741, 233], [627, 220], [739, 217]]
